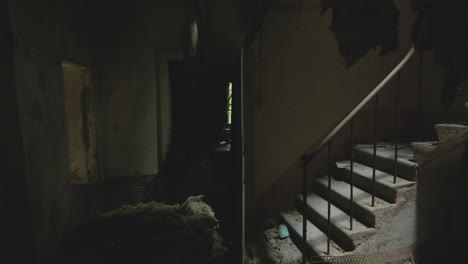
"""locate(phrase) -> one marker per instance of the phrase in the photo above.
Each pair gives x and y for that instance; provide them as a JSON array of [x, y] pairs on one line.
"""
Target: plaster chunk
[[450, 135]]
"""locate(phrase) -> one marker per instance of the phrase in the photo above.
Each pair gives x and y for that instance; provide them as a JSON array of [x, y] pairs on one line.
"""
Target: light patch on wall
[[81, 123], [194, 35]]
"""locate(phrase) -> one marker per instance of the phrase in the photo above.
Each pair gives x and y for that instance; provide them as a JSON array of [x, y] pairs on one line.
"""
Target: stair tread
[[387, 151], [338, 218], [316, 239], [360, 197], [381, 177], [385, 159]]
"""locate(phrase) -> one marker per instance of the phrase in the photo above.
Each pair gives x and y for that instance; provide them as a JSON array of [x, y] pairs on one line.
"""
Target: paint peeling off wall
[[361, 26], [81, 124]]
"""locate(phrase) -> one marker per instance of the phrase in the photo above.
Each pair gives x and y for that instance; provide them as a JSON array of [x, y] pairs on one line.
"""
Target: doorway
[[206, 122]]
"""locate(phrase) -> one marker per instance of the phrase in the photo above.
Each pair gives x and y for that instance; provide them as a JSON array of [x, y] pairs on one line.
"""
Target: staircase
[[393, 204], [363, 206]]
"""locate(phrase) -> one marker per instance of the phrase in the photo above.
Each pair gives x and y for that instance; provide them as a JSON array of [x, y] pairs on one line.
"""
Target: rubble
[[273, 249], [153, 232]]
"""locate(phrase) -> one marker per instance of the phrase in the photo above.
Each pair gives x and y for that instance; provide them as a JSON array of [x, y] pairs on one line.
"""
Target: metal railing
[[327, 141]]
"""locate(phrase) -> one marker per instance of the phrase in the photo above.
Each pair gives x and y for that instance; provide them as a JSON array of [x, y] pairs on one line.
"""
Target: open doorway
[[81, 124], [206, 125], [225, 133]]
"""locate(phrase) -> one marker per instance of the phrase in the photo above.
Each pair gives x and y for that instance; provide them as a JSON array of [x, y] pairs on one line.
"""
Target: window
[[229, 104]]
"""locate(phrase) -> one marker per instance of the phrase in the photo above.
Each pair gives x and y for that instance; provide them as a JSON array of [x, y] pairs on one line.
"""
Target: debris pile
[[148, 232]]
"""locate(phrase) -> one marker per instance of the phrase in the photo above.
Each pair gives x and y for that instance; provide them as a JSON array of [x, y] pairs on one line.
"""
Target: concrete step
[[362, 178], [316, 239], [270, 248], [317, 213], [385, 157], [340, 197]]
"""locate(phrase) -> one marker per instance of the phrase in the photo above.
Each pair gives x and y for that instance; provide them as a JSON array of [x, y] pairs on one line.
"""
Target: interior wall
[[222, 31], [128, 38], [15, 197], [39, 49], [128, 106], [300, 89]]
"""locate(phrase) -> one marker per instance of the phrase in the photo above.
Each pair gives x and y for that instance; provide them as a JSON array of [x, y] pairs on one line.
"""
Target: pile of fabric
[[148, 233]]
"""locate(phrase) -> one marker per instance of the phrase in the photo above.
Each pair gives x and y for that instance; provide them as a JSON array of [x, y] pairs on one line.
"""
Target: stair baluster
[[375, 149], [329, 196], [397, 128], [304, 206], [420, 70], [351, 176]]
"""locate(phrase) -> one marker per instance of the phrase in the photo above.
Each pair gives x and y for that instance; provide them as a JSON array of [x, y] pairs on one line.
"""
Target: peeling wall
[[81, 124], [301, 87], [360, 26], [298, 88]]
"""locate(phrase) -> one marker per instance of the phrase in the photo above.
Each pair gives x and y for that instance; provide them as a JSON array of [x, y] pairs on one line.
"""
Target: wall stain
[[84, 114], [35, 112], [41, 80], [54, 215], [29, 161], [75, 175], [85, 109]]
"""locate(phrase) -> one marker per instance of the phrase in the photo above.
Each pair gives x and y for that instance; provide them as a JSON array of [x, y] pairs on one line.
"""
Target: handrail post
[[329, 197], [304, 206], [351, 195], [397, 128], [420, 70], [375, 149]]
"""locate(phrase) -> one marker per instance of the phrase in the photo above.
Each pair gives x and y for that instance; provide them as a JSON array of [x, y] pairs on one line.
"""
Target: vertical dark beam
[[158, 107], [241, 147], [304, 206], [351, 175], [397, 128], [375, 149], [247, 149], [420, 117], [329, 196], [16, 229], [236, 149]]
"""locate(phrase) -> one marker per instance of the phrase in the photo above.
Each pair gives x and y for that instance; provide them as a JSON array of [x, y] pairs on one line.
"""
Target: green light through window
[[229, 103]]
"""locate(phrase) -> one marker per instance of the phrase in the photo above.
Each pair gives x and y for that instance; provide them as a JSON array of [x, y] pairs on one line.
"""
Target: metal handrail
[[306, 158]]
